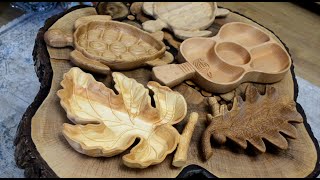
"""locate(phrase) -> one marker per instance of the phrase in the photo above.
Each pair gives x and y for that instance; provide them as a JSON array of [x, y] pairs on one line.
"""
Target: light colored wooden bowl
[[107, 124], [238, 53], [100, 44]]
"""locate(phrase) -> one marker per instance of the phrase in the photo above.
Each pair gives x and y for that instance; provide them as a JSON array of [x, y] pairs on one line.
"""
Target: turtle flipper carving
[[167, 58], [222, 12], [80, 60], [154, 25]]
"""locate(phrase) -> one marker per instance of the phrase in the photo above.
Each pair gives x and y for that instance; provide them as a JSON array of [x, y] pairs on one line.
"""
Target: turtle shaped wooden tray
[[185, 19], [101, 44], [238, 53]]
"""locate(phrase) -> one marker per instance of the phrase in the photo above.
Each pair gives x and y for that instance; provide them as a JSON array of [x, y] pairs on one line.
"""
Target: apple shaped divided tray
[[43, 152]]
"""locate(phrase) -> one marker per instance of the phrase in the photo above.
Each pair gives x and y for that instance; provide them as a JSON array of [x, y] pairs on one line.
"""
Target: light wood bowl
[[107, 123], [238, 53]]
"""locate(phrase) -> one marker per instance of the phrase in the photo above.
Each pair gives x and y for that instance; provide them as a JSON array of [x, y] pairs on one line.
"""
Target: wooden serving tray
[[43, 152], [238, 53], [101, 43]]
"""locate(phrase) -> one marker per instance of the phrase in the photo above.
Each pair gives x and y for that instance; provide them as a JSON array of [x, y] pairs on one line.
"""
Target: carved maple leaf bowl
[[106, 123], [116, 44]]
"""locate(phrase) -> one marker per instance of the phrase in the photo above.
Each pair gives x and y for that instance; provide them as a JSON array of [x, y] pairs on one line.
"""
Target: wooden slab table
[[43, 152]]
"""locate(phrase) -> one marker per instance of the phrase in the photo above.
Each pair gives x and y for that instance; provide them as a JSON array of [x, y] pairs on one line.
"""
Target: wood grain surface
[[55, 157]]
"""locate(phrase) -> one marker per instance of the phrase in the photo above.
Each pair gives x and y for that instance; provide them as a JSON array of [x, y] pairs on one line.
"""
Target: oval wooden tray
[[43, 152]]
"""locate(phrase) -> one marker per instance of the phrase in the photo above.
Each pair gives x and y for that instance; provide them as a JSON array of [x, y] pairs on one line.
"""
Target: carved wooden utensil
[[107, 123], [101, 44], [247, 123], [238, 53], [185, 19]]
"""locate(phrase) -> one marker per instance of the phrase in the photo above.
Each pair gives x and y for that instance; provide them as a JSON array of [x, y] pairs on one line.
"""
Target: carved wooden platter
[[101, 43], [239, 53], [42, 150]]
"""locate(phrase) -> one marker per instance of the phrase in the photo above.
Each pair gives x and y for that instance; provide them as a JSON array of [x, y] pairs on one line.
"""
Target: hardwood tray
[[100, 44], [43, 152], [239, 53]]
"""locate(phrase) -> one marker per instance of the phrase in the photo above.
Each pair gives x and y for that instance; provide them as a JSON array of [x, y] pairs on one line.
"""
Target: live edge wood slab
[[43, 152]]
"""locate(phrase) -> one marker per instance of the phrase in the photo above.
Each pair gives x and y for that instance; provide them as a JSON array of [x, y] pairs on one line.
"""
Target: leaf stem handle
[[180, 157], [83, 62]]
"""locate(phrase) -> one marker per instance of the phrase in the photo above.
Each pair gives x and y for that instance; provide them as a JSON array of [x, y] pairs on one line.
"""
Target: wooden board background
[[298, 161]]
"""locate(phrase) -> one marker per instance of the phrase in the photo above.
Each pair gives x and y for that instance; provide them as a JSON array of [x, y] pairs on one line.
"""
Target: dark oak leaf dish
[[245, 123]]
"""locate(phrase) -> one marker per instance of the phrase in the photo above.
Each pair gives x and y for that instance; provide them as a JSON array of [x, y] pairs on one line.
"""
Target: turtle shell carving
[[100, 44], [115, 43]]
